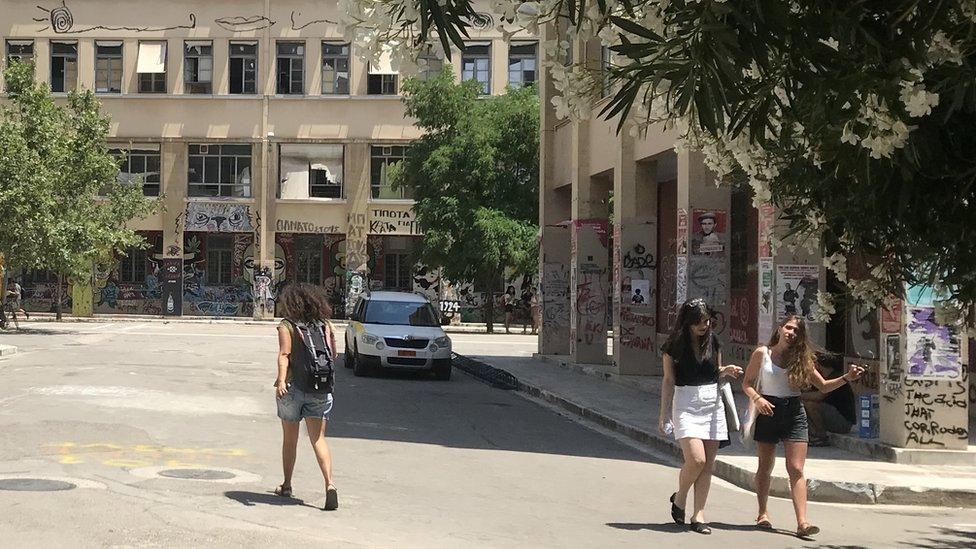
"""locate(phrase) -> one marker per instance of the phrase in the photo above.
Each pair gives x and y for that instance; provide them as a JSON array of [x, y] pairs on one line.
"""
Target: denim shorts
[[298, 404], [788, 422]]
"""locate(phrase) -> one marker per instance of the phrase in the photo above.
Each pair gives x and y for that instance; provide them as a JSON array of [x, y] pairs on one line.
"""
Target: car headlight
[[443, 341], [369, 339]]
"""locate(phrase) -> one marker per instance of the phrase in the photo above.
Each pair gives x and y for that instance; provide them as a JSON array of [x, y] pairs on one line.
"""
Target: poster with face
[[682, 238], [796, 291], [932, 350], [709, 237], [640, 291]]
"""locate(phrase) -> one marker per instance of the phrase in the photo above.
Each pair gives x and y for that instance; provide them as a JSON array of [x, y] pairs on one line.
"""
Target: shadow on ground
[[251, 499]]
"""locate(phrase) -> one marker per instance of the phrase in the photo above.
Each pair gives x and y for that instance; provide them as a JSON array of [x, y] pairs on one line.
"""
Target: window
[[243, 67], [108, 67], [198, 67], [21, 50], [381, 158], [64, 66], [220, 170], [39, 276], [291, 68], [476, 64], [308, 258], [139, 164], [152, 67], [521, 65], [310, 171], [335, 68], [398, 272], [430, 65], [400, 313], [132, 266], [220, 260], [382, 79]]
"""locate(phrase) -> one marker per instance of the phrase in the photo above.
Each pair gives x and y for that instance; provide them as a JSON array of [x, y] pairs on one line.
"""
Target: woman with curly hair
[[304, 334], [775, 377]]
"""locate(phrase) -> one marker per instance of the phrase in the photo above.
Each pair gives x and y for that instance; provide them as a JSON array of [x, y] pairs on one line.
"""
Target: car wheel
[[359, 368], [349, 356], [442, 372]]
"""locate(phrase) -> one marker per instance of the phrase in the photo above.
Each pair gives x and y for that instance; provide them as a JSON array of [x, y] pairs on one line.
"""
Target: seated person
[[833, 412]]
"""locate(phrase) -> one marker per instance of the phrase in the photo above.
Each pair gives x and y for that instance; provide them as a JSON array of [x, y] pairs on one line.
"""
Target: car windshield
[[400, 313]]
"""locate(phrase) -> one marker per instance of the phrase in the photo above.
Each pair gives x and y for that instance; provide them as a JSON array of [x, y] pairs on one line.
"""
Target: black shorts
[[787, 424]]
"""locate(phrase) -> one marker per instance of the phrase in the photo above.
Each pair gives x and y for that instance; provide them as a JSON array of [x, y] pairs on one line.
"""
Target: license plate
[[406, 353]]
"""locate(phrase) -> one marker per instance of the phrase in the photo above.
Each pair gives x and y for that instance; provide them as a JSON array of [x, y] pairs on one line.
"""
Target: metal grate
[[399, 343], [500, 379], [398, 361]]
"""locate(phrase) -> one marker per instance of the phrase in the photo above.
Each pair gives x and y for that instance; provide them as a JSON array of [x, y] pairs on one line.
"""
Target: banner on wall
[[682, 236], [891, 318], [171, 275], [932, 350], [640, 291], [765, 316], [766, 213], [796, 289]]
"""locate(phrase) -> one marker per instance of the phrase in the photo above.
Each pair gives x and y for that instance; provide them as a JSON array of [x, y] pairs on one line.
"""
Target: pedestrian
[[15, 297], [833, 412], [509, 301], [782, 370], [692, 407], [536, 312], [306, 377]]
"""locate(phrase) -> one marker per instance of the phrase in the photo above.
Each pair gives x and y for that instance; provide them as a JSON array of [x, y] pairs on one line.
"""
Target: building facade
[[265, 138], [633, 227]]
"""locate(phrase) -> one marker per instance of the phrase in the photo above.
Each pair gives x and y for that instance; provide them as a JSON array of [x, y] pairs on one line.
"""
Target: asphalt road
[[113, 408]]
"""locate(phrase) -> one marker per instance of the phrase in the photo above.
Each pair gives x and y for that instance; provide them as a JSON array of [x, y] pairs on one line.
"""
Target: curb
[[817, 490], [7, 350]]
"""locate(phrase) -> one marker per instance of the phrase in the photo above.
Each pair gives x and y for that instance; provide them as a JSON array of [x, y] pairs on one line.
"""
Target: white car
[[397, 330]]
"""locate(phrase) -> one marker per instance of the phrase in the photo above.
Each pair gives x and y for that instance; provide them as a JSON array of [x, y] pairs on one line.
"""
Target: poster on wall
[[682, 236], [932, 351], [171, 275], [640, 291], [710, 228], [681, 280], [766, 213], [891, 318], [796, 289], [893, 363]]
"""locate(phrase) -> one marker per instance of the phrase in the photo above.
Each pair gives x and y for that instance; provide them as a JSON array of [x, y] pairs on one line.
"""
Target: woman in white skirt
[[692, 406]]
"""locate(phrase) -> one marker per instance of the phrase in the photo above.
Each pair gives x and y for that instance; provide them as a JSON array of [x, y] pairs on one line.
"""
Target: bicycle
[[8, 306]]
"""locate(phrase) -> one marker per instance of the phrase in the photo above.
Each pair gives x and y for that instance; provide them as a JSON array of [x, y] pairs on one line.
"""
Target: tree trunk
[[57, 298], [490, 306]]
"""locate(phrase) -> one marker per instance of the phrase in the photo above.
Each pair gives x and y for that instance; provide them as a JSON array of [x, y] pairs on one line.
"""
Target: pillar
[[634, 263], [358, 190], [173, 182]]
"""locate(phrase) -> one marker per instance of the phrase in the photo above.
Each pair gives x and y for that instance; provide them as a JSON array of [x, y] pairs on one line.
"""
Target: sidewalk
[[464, 328], [631, 406]]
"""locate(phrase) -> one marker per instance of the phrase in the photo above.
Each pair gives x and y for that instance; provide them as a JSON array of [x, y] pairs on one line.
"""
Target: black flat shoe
[[677, 513], [331, 500], [701, 528]]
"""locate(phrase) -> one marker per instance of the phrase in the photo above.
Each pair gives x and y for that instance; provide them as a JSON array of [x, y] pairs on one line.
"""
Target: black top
[[690, 372]]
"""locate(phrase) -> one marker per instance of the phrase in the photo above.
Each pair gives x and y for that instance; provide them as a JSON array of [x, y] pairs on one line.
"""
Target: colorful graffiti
[[218, 217]]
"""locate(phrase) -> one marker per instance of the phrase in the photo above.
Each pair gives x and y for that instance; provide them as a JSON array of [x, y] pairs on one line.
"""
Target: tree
[[61, 203], [856, 119], [475, 176]]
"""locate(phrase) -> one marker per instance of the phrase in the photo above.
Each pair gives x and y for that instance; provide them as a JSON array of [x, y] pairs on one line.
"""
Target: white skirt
[[698, 412]]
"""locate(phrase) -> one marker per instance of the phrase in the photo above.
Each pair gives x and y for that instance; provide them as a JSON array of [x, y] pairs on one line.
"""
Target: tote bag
[[747, 434]]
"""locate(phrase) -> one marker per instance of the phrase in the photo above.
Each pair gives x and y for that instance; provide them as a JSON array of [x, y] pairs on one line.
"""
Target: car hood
[[416, 332]]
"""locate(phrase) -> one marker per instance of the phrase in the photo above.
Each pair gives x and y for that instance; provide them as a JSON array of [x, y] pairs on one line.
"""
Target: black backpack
[[313, 366]]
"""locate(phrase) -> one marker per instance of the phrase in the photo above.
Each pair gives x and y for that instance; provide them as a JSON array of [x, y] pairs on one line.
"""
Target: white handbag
[[728, 402], [747, 435]]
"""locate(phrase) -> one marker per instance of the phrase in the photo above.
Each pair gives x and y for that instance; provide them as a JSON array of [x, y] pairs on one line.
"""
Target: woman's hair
[[799, 357], [692, 312], [510, 289], [303, 302]]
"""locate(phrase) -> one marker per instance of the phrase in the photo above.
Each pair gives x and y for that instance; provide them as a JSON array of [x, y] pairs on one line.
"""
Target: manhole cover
[[34, 485], [197, 474]]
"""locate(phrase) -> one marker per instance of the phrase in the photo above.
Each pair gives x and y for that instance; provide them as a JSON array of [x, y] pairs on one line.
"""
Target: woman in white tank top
[[774, 378]]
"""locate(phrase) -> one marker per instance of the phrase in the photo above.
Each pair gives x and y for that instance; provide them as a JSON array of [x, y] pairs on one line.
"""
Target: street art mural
[[112, 294], [206, 298], [218, 217], [62, 21]]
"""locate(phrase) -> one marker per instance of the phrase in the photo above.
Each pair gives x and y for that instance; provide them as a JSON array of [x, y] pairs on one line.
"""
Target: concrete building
[[631, 228], [266, 139]]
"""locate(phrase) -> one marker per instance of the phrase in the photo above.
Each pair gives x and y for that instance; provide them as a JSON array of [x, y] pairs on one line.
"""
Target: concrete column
[[264, 190], [86, 64], [358, 194], [173, 170], [634, 263], [924, 384]]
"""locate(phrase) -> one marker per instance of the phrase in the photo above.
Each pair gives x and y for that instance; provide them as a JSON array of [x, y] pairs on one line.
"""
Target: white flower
[[825, 307], [831, 43], [918, 102], [838, 264]]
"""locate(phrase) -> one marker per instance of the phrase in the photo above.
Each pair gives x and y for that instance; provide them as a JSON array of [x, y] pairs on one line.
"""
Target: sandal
[[701, 528], [677, 513], [331, 499], [763, 523], [283, 491], [807, 530], [819, 442]]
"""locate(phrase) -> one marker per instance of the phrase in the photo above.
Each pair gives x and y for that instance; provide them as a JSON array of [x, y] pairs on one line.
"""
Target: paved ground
[[419, 463]]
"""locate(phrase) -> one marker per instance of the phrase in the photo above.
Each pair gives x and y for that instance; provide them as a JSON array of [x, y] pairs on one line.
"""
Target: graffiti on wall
[[932, 350], [244, 23], [390, 221], [218, 217], [62, 21], [706, 278], [427, 282], [295, 26], [290, 226]]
